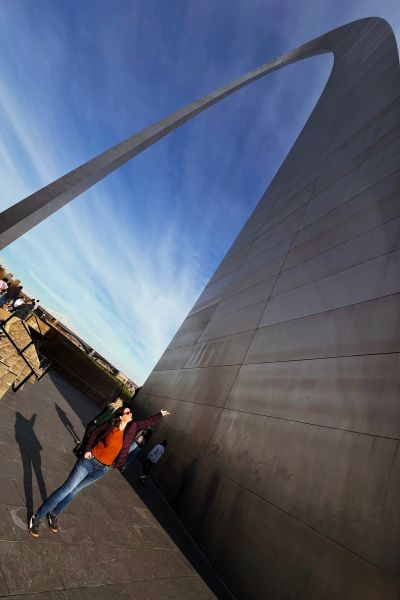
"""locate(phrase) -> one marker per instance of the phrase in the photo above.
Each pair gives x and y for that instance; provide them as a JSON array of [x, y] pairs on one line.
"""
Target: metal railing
[[44, 362]]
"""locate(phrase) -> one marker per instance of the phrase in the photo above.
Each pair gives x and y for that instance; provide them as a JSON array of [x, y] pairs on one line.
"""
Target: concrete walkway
[[110, 544]]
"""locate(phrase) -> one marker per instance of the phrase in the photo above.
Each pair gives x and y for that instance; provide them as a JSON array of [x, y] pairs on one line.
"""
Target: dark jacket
[[130, 433], [23, 311]]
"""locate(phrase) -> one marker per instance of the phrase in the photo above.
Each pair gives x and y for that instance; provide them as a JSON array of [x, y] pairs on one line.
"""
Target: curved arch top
[[354, 48]]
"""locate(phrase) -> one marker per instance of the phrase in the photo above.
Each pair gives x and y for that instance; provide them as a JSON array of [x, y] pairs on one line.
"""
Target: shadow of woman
[[30, 449]]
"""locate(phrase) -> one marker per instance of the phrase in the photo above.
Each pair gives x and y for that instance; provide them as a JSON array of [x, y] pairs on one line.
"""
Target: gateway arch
[[283, 459]]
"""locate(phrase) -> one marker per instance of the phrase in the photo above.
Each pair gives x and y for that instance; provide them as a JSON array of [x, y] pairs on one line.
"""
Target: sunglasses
[[127, 412]]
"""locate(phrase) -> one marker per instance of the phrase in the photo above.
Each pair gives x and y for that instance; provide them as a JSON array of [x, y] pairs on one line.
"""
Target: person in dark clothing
[[140, 440], [147, 435], [13, 293], [152, 459], [107, 446], [3, 290], [24, 310], [17, 300]]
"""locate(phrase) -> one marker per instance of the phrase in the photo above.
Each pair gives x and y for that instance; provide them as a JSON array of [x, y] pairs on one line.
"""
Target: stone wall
[[13, 368], [80, 369]]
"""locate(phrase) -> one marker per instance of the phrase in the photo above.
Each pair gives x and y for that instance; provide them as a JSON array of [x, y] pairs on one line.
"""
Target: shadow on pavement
[[82, 406], [67, 423], [30, 449]]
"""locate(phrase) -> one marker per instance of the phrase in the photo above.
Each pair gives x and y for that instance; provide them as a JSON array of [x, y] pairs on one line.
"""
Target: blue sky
[[124, 262]]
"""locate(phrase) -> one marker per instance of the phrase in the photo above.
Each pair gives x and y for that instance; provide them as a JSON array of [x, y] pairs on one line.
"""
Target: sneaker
[[34, 526], [52, 521]]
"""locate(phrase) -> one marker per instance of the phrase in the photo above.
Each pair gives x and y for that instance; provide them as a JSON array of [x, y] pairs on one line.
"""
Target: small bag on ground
[[78, 449]]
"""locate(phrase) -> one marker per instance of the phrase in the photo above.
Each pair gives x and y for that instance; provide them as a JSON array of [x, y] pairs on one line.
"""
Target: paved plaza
[[113, 540]]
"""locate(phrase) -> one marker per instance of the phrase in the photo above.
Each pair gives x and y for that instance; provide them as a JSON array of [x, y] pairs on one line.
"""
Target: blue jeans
[[3, 299], [85, 472]]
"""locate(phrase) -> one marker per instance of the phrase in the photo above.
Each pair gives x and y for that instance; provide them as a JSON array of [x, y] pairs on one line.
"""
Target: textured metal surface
[[283, 458]]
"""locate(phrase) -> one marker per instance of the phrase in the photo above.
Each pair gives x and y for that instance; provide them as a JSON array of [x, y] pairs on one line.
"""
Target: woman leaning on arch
[[104, 415], [107, 446]]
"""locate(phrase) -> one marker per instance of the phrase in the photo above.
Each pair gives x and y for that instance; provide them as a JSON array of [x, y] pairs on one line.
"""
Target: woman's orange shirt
[[107, 450]]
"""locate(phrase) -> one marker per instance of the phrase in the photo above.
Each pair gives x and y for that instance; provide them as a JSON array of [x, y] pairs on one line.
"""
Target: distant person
[[24, 310], [152, 459], [17, 302], [13, 292], [3, 290], [107, 446], [140, 440]]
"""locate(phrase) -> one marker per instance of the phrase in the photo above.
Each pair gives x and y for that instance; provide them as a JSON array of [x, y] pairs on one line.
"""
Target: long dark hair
[[116, 416], [114, 422]]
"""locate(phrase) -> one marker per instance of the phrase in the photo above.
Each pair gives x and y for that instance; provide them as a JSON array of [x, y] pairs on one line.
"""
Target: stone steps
[[13, 368]]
